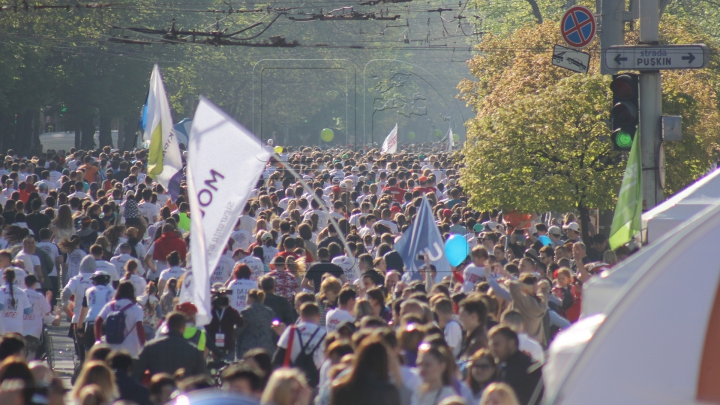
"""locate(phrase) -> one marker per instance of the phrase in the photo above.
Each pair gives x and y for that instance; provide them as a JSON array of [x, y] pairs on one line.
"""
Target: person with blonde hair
[[327, 298], [92, 395], [363, 309], [499, 394], [287, 386], [96, 373]]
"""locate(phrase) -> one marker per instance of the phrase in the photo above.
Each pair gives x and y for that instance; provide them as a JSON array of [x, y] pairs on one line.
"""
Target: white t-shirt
[[149, 211], [73, 262], [247, 223], [97, 297], [268, 253], [173, 272], [453, 337], [255, 264], [12, 315], [306, 330], [393, 226], [109, 268], [349, 266], [133, 315], [238, 291], [77, 287], [52, 250], [119, 262], [138, 283], [336, 317], [472, 275], [30, 261], [20, 275], [33, 323], [222, 271], [242, 238], [531, 347]]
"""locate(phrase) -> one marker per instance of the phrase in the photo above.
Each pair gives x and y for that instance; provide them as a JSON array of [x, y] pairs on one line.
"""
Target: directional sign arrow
[[618, 59], [690, 58]]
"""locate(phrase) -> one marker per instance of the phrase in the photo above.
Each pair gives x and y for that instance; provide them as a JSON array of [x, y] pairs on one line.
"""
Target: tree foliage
[[540, 138]]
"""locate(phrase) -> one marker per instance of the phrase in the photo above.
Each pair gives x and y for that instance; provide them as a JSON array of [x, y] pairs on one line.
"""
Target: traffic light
[[625, 113]]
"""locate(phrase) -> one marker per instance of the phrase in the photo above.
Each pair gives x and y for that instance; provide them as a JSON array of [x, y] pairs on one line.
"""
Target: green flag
[[628, 212]]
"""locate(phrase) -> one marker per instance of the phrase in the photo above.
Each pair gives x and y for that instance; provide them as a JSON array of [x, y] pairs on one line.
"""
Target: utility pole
[[650, 108]]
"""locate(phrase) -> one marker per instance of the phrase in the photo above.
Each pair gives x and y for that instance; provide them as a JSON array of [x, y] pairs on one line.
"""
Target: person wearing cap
[[268, 247], [94, 300], [573, 231], [555, 235], [76, 287], [193, 334]]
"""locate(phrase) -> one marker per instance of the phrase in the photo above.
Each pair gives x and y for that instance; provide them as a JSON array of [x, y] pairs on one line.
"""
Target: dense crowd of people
[[311, 303]]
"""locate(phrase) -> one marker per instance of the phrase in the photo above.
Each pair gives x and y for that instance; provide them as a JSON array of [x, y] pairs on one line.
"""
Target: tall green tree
[[540, 138]]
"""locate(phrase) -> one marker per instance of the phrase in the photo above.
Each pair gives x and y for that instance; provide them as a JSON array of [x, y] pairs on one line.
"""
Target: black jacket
[[131, 390], [282, 308], [168, 354], [515, 373]]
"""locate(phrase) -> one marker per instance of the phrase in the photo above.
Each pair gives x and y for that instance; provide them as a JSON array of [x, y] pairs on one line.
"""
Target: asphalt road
[[64, 351]]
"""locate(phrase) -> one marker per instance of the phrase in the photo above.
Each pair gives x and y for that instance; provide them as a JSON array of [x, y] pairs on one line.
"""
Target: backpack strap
[[318, 344], [303, 347], [287, 362]]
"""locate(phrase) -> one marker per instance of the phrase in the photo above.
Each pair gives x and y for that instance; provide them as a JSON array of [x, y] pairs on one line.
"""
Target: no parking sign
[[578, 26]]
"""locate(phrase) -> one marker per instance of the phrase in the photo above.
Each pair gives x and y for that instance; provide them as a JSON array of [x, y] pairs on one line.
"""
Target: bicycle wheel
[[49, 349]]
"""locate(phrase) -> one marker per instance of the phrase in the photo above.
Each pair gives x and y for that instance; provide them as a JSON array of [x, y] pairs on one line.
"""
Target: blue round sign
[[578, 26]]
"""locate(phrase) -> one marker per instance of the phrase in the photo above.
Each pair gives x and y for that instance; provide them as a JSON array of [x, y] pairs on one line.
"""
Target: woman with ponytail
[[131, 268], [14, 304], [73, 256]]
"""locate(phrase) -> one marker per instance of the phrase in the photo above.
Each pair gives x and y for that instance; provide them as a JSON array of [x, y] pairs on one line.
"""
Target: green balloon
[[438, 133], [327, 135], [456, 137], [411, 136]]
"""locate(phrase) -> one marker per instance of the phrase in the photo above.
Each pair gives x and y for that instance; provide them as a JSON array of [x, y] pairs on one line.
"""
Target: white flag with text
[[390, 144], [224, 163]]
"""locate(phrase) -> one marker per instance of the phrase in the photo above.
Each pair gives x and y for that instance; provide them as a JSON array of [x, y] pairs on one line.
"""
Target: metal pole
[[650, 107]]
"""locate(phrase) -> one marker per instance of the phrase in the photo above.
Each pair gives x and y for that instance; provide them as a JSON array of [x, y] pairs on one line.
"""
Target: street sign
[[662, 57], [571, 59], [578, 26]]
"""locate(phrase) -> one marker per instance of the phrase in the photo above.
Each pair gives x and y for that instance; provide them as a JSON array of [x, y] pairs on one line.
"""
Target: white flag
[[390, 144], [450, 139], [164, 159], [224, 161]]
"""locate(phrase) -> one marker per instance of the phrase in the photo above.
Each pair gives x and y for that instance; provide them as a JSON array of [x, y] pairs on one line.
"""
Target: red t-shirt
[[397, 193]]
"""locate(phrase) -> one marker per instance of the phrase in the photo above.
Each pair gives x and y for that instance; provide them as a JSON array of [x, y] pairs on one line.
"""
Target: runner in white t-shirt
[[95, 299], [255, 264], [41, 313], [239, 288], [134, 331], [223, 270], [14, 304], [344, 312]]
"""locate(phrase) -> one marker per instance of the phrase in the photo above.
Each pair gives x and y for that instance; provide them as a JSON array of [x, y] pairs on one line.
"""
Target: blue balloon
[[545, 240], [456, 249]]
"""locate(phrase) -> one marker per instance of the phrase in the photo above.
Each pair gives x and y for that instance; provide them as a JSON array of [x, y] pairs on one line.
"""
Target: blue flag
[[422, 237]]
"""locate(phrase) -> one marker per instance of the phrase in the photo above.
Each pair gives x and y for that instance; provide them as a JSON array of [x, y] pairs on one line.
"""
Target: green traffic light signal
[[624, 139]]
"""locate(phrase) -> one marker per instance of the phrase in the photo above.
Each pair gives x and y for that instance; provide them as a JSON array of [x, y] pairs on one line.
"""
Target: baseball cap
[[572, 226], [355, 169], [266, 236], [422, 179], [477, 228], [554, 230], [447, 212], [395, 209], [187, 308], [336, 188]]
